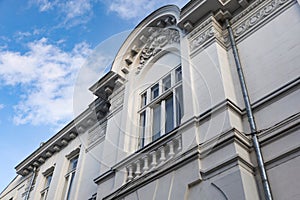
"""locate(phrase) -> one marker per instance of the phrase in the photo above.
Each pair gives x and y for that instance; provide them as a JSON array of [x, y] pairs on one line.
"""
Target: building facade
[[170, 121]]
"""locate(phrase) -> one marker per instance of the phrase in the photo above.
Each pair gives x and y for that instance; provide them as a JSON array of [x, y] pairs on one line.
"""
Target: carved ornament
[[259, 16], [154, 44]]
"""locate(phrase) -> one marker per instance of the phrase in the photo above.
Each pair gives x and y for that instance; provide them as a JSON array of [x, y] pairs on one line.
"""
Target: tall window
[[70, 177], [143, 128], [162, 111], [48, 174]]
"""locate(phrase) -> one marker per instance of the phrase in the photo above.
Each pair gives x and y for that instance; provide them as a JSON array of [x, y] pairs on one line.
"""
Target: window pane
[[179, 105], [156, 123], [42, 196], [167, 82], [144, 99], [66, 186], [178, 74], [48, 181], [169, 124], [143, 129], [71, 184], [154, 91], [73, 163]]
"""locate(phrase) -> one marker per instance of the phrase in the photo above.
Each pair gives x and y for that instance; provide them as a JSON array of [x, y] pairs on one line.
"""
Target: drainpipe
[[260, 161], [31, 182]]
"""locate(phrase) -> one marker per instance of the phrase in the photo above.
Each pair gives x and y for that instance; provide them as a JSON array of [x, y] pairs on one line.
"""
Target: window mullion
[[161, 104], [148, 130], [46, 194], [68, 186], [163, 117], [172, 78], [174, 108]]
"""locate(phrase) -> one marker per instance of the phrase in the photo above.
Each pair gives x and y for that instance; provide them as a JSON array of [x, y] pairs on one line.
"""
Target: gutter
[[251, 120]]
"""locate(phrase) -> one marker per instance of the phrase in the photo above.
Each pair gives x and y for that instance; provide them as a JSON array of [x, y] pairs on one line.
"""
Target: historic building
[[173, 118]]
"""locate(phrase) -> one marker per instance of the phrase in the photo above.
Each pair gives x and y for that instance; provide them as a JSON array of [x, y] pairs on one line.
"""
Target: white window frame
[[69, 177], [48, 173], [160, 99]]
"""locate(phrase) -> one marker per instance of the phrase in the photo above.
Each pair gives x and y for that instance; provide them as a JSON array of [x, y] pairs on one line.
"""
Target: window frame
[[70, 175], [47, 174], [146, 133]]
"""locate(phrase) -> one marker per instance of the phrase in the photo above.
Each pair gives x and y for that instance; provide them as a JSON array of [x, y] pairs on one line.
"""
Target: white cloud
[[21, 35], [46, 75], [1, 106], [76, 8], [70, 12], [75, 12], [128, 9], [45, 5]]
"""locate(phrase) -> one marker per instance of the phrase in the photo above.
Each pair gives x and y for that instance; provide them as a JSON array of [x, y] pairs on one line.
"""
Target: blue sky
[[44, 47]]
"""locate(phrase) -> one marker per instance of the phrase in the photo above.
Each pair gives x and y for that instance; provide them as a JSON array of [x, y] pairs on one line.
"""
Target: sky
[[48, 50]]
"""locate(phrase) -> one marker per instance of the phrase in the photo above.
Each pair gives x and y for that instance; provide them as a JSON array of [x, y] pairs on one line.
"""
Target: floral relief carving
[[213, 31], [198, 41], [258, 16], [158, 39]]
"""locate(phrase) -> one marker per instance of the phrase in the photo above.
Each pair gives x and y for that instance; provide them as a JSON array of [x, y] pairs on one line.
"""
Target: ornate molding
[[202, 38], [159, 38], [254, 15], [210, 30], [96, 134], [200, 27], [257, 13], [262, 13], [116, 99]]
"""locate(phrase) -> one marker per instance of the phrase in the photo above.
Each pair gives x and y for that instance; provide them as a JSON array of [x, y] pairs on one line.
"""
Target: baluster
[[179, 144], [171, 147], [129, 170], [146, 163], [162, 154], [153, 154], [138, 167]]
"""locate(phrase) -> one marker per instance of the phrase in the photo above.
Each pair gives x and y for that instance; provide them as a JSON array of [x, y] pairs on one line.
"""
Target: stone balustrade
[[153, 158]]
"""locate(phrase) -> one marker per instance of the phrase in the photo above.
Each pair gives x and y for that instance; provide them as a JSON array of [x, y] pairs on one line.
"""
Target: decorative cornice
[[226, 165], [281, 129], [110, 173], [60, 140], [48, 171], [73, 153]]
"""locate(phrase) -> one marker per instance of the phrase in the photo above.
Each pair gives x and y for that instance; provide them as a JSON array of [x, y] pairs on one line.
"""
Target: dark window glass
[[156, 122], [178, 74], [144, 99], [169, 114], [167, 82], [48, 180], [179, 105], [143, 128], [155, 91]]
